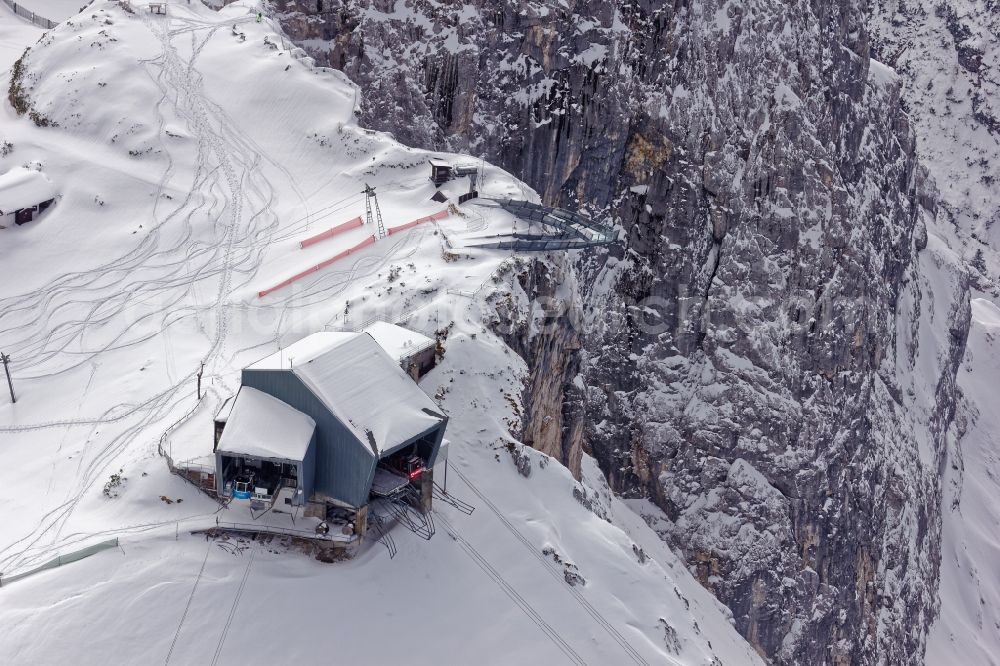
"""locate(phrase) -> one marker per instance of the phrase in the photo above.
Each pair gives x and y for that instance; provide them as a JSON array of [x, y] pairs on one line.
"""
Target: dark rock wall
[[743, 361], [543, 326]]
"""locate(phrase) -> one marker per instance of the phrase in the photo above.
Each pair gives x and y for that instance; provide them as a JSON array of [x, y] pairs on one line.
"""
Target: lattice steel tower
[[370, 198]]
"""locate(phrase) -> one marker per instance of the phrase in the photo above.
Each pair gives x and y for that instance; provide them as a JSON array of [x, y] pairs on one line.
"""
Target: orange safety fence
[[440, 215], [330, 233], [320, 266]]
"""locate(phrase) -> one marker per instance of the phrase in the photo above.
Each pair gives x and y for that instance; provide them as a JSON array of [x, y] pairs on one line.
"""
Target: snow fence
[[318, 267], [440, 215], [58, 561], [330, 233], [26, 13]]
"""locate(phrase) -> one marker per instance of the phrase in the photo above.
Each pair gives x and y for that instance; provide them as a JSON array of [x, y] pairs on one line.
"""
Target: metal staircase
[[378, 523], [404, 508]]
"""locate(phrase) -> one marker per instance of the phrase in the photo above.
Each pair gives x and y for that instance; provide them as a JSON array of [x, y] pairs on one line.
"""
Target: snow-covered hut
[[347, 410], [440, 171], [23, 192], [415, 352]]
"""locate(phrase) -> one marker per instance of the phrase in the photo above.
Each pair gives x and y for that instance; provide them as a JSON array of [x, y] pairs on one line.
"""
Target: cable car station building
[[329, 423]]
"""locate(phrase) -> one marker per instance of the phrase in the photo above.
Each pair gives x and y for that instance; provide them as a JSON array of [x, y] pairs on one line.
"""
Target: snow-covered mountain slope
[[968, 627], [947, 56], [193, 153]]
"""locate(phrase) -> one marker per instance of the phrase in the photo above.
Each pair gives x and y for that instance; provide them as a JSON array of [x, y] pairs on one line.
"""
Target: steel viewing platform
[[572, 230]]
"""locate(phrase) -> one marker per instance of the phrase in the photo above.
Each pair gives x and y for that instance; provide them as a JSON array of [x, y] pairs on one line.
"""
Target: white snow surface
[[23, 188], [398, 341], [303, 350], [15, 34], [191, 164], [59, 10], [967, 630], [366, 389], [952, 102], [262, 426]]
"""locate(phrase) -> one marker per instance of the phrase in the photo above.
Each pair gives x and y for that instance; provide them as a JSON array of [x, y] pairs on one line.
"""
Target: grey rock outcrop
[[754, 358]]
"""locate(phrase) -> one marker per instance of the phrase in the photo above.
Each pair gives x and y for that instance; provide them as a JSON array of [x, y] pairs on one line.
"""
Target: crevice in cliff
[[715, 259], [543, 329]]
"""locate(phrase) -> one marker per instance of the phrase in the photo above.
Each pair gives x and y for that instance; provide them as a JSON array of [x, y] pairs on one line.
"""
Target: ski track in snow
[[227, 161], [630, 652], [181, 78]]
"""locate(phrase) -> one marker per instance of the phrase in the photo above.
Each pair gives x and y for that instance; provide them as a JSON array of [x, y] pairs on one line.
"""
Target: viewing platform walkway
[[571, 230]]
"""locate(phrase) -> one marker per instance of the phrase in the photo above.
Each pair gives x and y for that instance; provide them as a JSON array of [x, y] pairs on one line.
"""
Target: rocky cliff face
[[542, 320], [771, 355]]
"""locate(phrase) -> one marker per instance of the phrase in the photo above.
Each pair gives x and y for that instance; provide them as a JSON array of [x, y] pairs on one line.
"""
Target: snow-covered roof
[[439, 162], [366, 390], [262, 426], [303, 351], [397, 341], [23, 188], [227, 408]]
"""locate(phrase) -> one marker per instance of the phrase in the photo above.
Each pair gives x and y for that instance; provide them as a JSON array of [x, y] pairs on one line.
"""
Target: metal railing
[[493, 277], [252, 528], [403, 319], [26, 13], [573, 231]]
